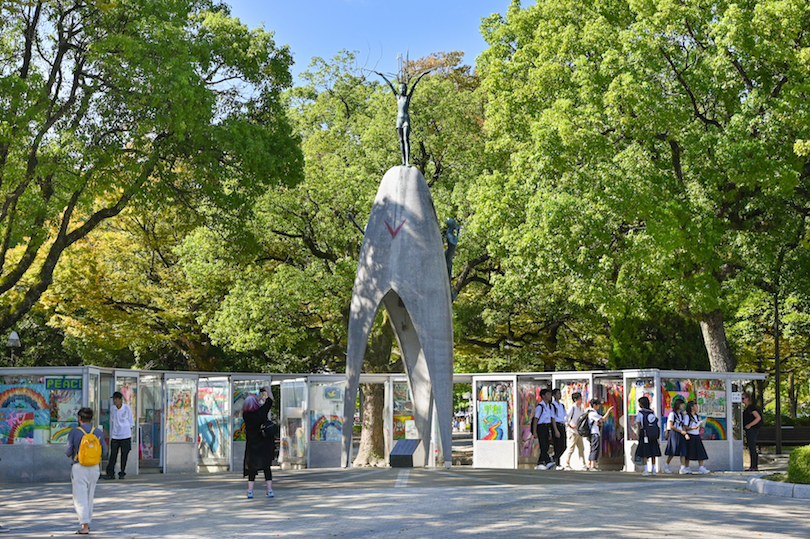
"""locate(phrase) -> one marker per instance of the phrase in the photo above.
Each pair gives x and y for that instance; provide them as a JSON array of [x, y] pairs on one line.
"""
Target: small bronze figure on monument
[[403, 117]]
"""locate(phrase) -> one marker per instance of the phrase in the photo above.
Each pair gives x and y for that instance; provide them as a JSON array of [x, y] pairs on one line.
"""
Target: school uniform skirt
[[649, 449], [676, 445], [695, 449]]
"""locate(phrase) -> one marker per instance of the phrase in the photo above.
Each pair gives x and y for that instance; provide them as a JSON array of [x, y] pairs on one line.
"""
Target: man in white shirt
[[557, 432], [573, 439], [121, 423], [542, 425]]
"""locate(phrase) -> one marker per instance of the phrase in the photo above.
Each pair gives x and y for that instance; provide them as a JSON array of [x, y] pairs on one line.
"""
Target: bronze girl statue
[[403, 118]]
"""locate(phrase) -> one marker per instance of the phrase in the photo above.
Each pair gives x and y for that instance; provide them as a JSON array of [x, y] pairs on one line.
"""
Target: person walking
[[573, 439], [261, 443], [84, 476], [558, 438], [121, 423], [541, 429], [752, 421]]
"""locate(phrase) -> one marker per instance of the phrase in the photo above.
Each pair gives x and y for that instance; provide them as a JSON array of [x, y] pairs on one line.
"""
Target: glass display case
[[150, 425], [293, 451], [180, 409], [213, 423]]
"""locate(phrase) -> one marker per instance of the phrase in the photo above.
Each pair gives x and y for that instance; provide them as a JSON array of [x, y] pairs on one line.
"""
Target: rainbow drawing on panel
[[23, 397]]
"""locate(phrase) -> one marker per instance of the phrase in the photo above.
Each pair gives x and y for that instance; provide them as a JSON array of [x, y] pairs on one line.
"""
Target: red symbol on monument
[[394, 231]]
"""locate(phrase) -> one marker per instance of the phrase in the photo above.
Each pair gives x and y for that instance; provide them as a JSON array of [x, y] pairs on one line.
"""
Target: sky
[[378, 30]]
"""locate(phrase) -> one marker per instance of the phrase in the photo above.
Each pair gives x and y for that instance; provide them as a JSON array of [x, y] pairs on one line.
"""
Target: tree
[[109, 103], [121, 288], [650, 142], [287, 291]]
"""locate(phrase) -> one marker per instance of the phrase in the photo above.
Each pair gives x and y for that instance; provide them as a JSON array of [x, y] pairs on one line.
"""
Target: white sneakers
[[550, 466], [666, 469], [645, 473], [540, 467], [687, 470]]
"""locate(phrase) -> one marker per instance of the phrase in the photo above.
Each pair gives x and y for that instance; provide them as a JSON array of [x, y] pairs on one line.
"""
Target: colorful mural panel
[[180, 414], [60, 430], [528, 396], [497, 392], [16, 427], [612, 394], [326, 428], [492, 420]]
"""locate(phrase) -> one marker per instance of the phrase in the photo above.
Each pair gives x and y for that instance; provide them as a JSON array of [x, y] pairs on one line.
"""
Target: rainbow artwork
[[492, 420], [326, 428], [239, 430], [715, 429], [26, 397], [60, 431], [492, 428], [16, 427]]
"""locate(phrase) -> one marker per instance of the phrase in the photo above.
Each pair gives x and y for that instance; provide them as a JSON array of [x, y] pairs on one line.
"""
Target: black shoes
[[121, 475], [108, 477]]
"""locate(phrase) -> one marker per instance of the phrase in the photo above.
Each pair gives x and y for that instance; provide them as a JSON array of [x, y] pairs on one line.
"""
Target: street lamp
[[13, 342]]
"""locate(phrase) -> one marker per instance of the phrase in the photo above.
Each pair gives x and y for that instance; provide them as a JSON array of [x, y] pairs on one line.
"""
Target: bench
[[790, 435]]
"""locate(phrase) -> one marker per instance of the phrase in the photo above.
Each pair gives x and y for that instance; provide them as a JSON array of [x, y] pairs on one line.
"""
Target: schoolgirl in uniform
[[694, 445], [648, 448], [676, 446]]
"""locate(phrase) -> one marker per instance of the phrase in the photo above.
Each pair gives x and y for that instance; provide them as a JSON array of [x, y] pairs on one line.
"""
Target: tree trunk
[[550, 360], [377, 359], [794, 401], [372, 442], [714, 338]]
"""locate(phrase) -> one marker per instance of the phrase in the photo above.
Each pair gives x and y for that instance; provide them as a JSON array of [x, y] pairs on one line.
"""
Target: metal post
[[778, 373]]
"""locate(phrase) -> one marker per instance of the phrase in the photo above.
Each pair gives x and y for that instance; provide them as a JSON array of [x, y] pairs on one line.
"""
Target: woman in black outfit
[[259, 449], [752, 421]]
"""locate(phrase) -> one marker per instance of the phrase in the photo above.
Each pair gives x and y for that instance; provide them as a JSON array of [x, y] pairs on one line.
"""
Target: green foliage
[[133, 101], [650, 148], [666, 341], [799, 465], [40, 344], [286, 289]]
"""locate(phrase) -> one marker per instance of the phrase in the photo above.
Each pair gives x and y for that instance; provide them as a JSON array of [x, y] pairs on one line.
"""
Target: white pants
[[572, 441], [84, 479]]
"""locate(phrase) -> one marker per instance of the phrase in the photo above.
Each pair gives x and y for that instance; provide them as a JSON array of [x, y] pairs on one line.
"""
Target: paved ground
[[416, 503]]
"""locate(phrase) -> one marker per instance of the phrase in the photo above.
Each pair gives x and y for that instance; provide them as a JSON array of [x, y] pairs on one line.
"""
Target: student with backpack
[[648, 433], [694, 445], [557, 433], [676, 445], [594, 421], [85, 447], [542, 424]]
